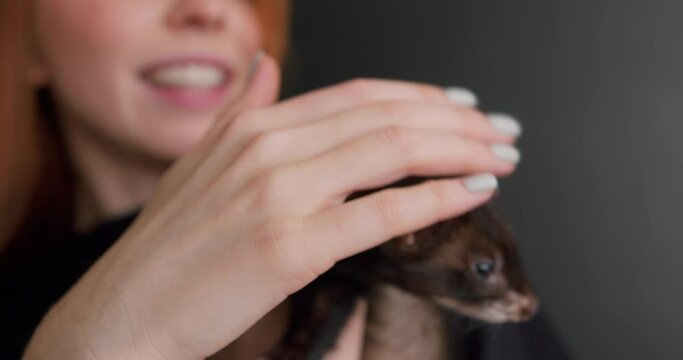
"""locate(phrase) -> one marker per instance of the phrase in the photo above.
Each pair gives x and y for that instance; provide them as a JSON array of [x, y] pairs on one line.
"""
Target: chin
[[168, 142], [168, 133]]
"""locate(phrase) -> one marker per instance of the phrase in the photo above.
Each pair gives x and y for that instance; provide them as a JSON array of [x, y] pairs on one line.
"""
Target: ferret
[[468, 265]]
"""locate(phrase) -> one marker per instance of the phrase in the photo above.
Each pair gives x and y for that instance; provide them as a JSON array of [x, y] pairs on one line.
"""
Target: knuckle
[[279, 246], [359, 87], [388, 208], [428, 91], [367, 87], [476, 156], [404, 112], [439, 193], [270, 243], [468, 156], [472, 115], [394, 109], [243, 124], [264, 146], [398, 139]]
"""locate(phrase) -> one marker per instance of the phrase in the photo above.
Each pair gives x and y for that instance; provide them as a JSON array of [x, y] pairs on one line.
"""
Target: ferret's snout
[[527, 306], [520, 306], [528, 309]]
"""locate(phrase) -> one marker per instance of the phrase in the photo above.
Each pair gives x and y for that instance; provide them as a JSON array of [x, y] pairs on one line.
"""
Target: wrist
[[65, 335]]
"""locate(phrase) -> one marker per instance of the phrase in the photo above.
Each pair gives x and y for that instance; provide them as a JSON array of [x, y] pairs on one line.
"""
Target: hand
[[256, 211]]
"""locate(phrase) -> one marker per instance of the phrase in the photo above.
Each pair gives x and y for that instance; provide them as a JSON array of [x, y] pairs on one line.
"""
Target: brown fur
[[468, 265], [402, 326]]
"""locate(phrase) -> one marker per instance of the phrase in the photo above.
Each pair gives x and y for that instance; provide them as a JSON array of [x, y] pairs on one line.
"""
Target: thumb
[[263, 87]]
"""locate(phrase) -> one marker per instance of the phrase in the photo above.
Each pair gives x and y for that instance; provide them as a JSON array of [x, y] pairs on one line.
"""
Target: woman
[[111, 105]]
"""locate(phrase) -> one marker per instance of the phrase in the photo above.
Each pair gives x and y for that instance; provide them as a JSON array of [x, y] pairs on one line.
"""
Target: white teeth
[[188, 76]]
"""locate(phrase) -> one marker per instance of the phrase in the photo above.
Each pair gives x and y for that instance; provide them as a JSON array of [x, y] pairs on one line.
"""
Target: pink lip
[[186, 98]]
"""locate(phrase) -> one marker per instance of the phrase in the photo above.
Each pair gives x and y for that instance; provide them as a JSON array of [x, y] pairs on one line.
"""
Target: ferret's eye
[[484, 268]]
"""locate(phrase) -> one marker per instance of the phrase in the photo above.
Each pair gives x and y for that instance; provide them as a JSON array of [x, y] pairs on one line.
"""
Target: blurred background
[[598, 87]]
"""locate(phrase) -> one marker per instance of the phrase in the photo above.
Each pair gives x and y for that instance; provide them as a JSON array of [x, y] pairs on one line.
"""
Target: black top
[[28, 290]]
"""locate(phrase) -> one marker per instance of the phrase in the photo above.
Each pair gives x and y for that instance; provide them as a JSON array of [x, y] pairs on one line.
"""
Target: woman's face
[[145, 75]]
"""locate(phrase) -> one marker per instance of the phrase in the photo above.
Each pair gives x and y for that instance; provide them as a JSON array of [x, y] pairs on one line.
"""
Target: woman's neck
[[110, 181]]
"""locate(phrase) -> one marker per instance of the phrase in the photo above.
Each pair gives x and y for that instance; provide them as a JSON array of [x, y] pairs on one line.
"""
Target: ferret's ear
[[402, 247], [406, 244], [415, 245]]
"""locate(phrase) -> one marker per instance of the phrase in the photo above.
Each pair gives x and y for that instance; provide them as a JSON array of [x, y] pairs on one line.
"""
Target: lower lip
[[191, 98]]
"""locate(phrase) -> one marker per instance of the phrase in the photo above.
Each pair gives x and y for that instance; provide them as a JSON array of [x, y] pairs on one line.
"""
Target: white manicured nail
[[254, 62], [461, 96], [505, 124], [480, 182], [506, 152]]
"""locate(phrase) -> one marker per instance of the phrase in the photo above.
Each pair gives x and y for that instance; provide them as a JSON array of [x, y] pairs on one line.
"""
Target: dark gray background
[[598, 86]]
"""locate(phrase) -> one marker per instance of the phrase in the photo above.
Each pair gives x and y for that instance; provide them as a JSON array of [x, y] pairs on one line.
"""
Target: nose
[[198, 15], [528, 308]]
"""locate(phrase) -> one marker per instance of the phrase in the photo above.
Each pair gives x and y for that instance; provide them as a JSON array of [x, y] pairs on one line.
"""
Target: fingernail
[[505, 124], [506, 152], [480, 182], [461, 96], [254, 62]]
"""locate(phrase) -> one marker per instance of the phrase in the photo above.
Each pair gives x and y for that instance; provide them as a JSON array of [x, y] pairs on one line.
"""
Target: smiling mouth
[[193, 84], [190, 76]]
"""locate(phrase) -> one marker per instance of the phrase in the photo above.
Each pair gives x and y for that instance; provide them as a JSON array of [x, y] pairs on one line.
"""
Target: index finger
[[350, 94], [353, 93], [368, 221]]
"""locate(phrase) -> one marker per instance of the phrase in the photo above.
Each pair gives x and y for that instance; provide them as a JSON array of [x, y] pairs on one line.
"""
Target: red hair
[[36, 182]]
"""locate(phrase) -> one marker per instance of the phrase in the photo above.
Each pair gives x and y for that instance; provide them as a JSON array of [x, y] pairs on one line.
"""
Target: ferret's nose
[[528, 308]]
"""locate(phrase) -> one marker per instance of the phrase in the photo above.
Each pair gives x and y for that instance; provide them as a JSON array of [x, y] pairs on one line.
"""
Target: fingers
[[262, 89], [316, 105], [390, 154], [363, 223], [264, 86], [351, 94], [279, 147], [312, 138]]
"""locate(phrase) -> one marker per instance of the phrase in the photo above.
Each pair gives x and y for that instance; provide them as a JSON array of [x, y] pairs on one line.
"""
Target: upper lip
[[221, 64]]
